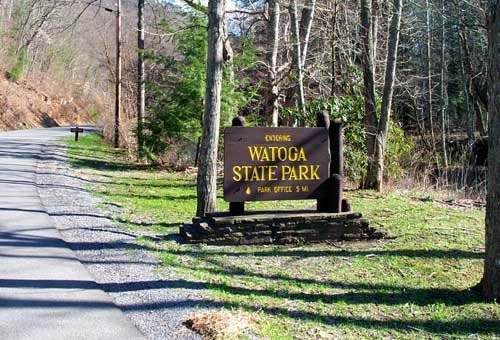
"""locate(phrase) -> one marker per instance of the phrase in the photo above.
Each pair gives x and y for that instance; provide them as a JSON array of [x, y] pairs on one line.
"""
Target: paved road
[[45, 292]]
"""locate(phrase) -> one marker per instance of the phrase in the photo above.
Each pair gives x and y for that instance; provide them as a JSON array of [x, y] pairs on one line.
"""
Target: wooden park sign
[[263, 163], [275, 163]]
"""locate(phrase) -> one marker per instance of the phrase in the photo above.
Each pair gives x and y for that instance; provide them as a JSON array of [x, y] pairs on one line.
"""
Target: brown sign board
[[283, 163]]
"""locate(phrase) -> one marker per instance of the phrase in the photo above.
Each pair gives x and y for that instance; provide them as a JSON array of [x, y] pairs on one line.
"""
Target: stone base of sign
[[278, 228]]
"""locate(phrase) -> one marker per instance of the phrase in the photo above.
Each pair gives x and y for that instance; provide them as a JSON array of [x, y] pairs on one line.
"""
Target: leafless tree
[[369, 81], [374, 178], [443, 87], [491, 278], [273, 39], [207, 172], [297, 55]]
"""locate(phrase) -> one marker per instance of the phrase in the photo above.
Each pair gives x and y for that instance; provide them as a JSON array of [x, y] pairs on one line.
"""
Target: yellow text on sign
[[249, 173], [275, 153]]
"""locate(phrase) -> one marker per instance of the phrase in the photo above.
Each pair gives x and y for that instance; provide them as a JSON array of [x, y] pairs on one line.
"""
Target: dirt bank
[[30, 103]]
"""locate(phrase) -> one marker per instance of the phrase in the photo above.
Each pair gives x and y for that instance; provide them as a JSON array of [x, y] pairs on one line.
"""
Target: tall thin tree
[[444, 88], [305, 28], [273, 36], [370, 120], [207, 171], [297, 55], [374, 178], [428, 63], [333, 47], [468, 112], [472, 87], [491, 278]]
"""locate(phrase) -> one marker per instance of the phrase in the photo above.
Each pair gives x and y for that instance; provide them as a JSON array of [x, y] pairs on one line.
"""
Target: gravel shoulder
[[152, 296]]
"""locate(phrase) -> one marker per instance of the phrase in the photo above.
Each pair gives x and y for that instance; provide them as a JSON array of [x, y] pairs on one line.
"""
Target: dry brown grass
[[33, 102], [220, 324], [456, 192]]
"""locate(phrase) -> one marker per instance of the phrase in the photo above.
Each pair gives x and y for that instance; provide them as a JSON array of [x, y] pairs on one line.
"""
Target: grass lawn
[[415, 286]]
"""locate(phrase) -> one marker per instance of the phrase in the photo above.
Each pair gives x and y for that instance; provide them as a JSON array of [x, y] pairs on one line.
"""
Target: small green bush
[[350, 109], [16, 73], [94, 113], [176, 103], [398, 151]]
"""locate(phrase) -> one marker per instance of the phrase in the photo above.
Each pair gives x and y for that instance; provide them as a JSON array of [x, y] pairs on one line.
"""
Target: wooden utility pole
[[118, 72], [141, 81]]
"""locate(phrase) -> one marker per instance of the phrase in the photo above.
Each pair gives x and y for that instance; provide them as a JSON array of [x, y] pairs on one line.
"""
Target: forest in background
[[284, 62]]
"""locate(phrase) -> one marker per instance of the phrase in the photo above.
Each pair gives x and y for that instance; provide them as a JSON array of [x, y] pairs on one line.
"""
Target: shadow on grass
[[414, 253], [171, 185], [227, 269], [357, 293], [418, 296], [151, 196], [104, 164], [458, 326], [20, 241]]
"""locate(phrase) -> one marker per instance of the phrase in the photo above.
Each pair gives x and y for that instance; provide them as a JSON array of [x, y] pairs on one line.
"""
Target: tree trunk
[[370, 120], [491, 278], [141, 80], [376, 168], [9, 9], [430, 115], [479, 116], [207, 171], [468, 112], [334, 49], [444, 92], [297, 56], [305, 28], [375, 10], [272, 107], [228, 55], [470, 83]]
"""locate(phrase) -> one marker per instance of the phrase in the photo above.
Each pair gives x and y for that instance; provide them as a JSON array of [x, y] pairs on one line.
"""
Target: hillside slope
[[29, 104]]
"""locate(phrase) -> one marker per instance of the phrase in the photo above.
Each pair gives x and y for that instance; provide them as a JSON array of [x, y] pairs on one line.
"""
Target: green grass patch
[[413, 287]]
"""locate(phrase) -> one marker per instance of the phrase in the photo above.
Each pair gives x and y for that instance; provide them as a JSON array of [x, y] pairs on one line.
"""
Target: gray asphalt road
[[45, 292]]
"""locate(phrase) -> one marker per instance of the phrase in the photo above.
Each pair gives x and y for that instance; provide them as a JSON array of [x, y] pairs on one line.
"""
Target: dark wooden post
[[346, 205], [76, 130], [337, 164], [336, 189], [323, 120], [237, 208], [331, 201], [337, 148], [238, 121]]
